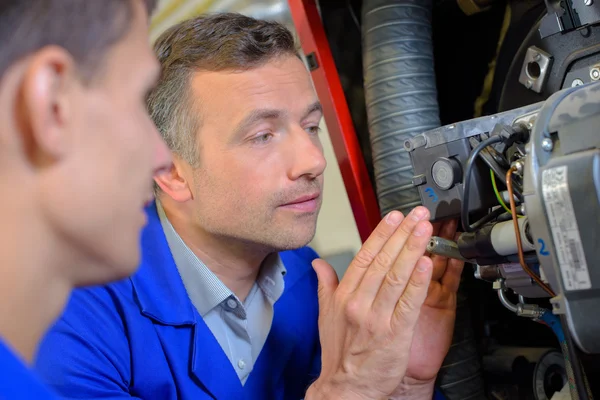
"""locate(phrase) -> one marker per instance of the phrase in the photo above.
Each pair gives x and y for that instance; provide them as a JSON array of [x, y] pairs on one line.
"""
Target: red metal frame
[[337, 116]]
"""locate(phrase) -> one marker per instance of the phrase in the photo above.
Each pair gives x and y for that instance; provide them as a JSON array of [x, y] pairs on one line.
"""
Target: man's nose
[[306, 154]]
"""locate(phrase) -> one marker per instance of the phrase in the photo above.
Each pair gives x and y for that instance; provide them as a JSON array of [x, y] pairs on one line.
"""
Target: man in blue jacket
[[225, 303], [73, 76]]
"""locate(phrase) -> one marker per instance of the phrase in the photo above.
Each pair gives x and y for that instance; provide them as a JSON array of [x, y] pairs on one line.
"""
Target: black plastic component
[[446, 203], [474, 244], [446, 173], [573, 54]]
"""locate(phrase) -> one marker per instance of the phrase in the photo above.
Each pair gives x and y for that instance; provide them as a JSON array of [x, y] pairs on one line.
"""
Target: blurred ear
[[46, 96], [174, 183]]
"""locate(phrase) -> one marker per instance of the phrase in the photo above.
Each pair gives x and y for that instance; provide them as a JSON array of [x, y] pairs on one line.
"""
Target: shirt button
[[231, 303], [241, 364]]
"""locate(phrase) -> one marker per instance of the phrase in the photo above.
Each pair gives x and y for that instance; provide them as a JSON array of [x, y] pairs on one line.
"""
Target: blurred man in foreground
[[73, 78]]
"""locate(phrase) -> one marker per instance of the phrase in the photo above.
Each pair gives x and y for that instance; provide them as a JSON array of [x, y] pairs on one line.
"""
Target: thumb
[[328, 280]]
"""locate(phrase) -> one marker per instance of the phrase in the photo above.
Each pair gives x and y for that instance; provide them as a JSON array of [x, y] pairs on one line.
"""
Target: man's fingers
[[397, 278], [440, 263], [328, 280], [387, 257], [451, 278], [406, 312], [369, 250], [448, 229]]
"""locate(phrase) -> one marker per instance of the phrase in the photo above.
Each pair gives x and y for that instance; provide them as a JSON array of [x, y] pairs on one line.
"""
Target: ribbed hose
[[400, 91], [461, 376], [401, 101]]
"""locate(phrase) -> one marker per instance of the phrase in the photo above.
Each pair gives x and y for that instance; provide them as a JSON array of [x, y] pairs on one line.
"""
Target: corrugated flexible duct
[[400, 91], [401, 101]]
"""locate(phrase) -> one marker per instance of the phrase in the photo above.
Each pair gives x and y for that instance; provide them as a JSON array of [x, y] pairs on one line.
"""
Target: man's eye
[[313, 130], [264, 138]]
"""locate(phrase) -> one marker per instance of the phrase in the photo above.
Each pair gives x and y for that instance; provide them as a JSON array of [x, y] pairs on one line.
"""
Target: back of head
[[74, 75], [86, 29]]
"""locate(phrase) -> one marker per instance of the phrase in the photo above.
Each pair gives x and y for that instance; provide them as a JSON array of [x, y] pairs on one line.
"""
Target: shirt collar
[[205, 289]]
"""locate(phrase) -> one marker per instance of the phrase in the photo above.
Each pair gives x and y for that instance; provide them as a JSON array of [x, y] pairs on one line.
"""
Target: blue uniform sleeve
[[86, 354]]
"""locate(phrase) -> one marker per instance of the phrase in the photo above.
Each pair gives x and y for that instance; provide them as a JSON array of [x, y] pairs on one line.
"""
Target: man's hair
[[84, 28], [215, 43]]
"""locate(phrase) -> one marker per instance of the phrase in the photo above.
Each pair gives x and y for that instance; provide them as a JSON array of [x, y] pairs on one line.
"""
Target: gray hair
[[219, 42]]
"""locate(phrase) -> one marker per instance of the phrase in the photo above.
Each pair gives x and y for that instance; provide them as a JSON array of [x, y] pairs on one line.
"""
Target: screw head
[[547, 144], [519, 166], [595, 73], [588, 2], [576, 82]]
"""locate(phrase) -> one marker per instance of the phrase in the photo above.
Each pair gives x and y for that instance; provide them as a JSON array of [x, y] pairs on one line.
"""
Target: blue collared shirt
[[241, 328]]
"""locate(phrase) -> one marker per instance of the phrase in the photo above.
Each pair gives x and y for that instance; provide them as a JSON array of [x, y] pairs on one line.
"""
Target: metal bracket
[[536, 68]]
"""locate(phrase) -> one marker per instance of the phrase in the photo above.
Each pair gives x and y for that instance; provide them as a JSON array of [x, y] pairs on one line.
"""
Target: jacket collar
[[158, 287]]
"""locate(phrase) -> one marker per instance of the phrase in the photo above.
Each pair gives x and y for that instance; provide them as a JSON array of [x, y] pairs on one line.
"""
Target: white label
[[565, 231]]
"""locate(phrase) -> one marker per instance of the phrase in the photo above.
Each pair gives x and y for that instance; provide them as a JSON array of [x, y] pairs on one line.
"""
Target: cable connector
[[510, 134], [532, 311]]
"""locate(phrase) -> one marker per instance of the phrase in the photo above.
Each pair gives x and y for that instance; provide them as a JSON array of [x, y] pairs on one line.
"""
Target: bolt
[[595, 73], [529, 84], [518, 165], [588, 2], [547, 144], [576, 82], [537, 57]]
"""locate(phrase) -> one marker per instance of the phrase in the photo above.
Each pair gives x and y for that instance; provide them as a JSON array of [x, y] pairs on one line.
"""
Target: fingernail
[[418, 213], [394, 218], [422, 266]]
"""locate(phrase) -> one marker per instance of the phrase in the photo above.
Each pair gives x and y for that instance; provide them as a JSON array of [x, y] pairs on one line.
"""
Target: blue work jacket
[[17, 381], [142, 337]]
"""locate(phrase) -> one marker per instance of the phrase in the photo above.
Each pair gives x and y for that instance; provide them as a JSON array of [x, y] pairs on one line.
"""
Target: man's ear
[[174, 183], [46, 96]]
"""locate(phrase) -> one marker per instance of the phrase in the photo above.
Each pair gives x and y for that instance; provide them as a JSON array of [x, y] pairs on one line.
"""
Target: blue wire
[[554, 323]]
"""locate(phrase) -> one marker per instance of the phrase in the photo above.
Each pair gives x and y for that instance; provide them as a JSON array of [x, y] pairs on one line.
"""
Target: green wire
[[498, 193]]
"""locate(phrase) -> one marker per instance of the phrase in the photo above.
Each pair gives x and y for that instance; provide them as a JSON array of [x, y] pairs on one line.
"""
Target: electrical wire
[[513, 211], [353, 14], [496, 191], [487, 218], [582, 391], [464, 215]]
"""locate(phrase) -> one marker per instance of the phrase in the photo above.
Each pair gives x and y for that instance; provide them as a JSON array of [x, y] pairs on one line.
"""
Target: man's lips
[[306, 203]]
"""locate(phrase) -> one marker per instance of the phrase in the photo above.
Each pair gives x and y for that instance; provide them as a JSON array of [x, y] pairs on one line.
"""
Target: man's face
[[103, 184], [260, 174]]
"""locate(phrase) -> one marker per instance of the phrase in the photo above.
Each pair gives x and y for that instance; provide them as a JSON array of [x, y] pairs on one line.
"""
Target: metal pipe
[[444, 247], [505, 302]]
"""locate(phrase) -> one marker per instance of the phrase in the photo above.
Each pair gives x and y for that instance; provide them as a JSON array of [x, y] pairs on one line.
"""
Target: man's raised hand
[[367, 321]]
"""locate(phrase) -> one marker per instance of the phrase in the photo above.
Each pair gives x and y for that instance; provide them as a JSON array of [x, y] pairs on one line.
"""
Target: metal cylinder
[[444, 247], [504, 239], [488, 273]]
